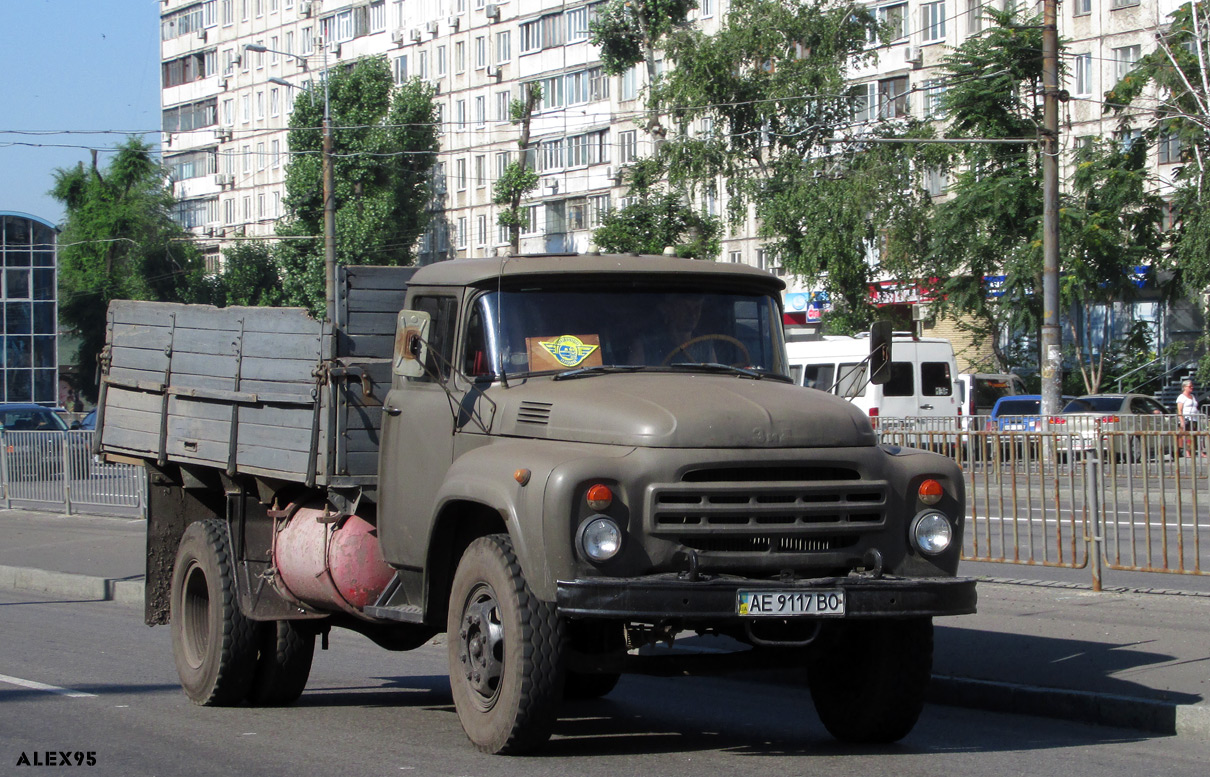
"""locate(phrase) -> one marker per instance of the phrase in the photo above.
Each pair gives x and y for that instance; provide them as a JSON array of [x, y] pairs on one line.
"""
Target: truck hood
[[680, 410]]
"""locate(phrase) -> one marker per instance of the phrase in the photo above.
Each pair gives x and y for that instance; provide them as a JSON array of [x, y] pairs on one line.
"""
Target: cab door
[[417, 439]]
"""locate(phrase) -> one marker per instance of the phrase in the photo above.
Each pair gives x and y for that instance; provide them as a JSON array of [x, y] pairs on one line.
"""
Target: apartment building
[[225, 109]]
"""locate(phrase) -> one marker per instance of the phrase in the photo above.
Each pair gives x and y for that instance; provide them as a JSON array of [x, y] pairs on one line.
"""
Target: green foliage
[[119, 242], [249, 276], [384, 145], [656, 220], [515, 181], [624, 29]]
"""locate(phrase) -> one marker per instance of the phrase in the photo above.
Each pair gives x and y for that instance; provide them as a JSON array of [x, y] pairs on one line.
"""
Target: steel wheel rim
[[481, 647], [195, 615]]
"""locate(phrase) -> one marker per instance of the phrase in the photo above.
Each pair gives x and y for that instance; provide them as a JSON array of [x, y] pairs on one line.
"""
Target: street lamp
[[328, 187]]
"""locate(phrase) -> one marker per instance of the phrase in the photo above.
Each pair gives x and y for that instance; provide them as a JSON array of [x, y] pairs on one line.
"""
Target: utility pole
[[1051, 356]]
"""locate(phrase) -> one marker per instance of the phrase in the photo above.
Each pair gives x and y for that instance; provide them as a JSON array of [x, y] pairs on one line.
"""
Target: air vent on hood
[[534, 413]]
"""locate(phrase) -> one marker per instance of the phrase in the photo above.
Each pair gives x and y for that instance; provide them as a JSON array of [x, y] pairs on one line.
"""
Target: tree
[[249, 276], [518, 179], [1172, 84], [384, 146], [761, 107], [629, 32], [657, 219], [118, 242]]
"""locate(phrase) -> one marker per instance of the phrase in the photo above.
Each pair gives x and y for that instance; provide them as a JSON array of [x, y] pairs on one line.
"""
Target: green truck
[[561, 462]]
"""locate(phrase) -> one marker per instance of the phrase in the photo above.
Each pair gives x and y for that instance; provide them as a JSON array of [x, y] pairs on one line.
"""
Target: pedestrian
[[1187, 417]]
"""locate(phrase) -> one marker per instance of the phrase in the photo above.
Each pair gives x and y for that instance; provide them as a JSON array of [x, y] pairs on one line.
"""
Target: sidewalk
[[1129, 659]]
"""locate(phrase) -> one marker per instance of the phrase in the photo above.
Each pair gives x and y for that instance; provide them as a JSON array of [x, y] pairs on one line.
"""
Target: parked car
[[32, 455], [1126, 426], [89, 421], [34, 440], [1019, 413]]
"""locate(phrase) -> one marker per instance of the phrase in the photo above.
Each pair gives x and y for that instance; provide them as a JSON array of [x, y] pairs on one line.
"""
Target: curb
[[1151, 715], [1102, 709], [123, 590]]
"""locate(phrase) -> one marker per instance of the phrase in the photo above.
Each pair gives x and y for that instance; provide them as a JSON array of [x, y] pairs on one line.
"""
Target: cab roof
[[476, 272]]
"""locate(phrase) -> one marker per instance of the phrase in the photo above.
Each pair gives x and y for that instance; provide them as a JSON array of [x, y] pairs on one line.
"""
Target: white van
[[923, 379]]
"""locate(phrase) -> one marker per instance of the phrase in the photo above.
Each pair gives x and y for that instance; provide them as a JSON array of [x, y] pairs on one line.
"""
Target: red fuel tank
[[330, 563]]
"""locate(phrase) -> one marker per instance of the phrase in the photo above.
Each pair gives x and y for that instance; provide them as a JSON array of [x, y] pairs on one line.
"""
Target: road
[[369, 712]]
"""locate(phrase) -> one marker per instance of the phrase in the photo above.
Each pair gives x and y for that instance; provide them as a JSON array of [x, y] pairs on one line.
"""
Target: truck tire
[[868, 678], [506, 650], [213, 644], [284, 663]]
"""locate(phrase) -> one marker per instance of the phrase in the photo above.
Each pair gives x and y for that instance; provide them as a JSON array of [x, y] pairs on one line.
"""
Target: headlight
[[932, 532], [600, 539]]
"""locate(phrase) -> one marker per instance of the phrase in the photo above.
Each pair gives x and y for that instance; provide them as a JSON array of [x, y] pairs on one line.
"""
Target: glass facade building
[[29, 294]]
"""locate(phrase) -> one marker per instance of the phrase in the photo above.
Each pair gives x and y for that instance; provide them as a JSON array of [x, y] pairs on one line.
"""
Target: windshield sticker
[[564, 351]]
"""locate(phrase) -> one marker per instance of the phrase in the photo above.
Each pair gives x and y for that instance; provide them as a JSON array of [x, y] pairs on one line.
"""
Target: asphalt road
[[108, 688]]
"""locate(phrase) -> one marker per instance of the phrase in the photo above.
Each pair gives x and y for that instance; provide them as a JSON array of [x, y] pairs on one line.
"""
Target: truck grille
[[772, 510]]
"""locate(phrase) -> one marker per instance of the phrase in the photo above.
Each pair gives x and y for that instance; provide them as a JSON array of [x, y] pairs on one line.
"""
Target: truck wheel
[[284, 664], [213, 643], [867, 678], [505, 651]]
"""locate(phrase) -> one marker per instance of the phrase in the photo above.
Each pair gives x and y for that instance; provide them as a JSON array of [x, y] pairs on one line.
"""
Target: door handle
[[391, 410], [926, 407]]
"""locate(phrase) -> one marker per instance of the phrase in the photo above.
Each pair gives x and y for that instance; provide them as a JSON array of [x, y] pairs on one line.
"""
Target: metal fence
[[1104, 492], [57, 472]]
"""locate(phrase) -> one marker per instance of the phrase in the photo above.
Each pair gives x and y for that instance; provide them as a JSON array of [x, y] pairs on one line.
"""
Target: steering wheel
[[702, 338]]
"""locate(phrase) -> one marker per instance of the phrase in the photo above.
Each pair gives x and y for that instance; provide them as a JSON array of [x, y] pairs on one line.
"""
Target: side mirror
[[880, 352], [411, 343]]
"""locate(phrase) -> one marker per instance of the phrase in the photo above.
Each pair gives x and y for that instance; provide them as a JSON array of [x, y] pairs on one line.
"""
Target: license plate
[[784, 604]]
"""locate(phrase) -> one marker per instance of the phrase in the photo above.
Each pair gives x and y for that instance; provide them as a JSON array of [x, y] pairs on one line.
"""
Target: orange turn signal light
[[930, 492], [599, 497]]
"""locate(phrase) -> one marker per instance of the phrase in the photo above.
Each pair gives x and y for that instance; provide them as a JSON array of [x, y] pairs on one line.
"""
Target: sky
[[85, 71]]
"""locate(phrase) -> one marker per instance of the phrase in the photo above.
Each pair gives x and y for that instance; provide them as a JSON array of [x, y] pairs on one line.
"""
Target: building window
[[460, 57], [551, 155], [932, 21], [422, 66], [1124, 60], [400, 68], [460, 174], [974, 17], [577, 24], [1168, 147], [628, 146], [894, 18], [481, 236], [378, 16], [1115, 4], [936, 182], [934, 98], [481, 170], [706, 8], [1081, 8], [460, 234], [531, 37], [737, 257], [460, 114], [577, 214], [441, 61], [276, 151], [480, 111], [503, 108], [630, 84], [480, 52], [1083, 73], [893, 98], [598, 209], [504, 47]]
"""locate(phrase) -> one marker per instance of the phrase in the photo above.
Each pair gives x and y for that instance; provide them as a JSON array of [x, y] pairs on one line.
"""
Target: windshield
[[30, 420], [1019, 406], [543, 330]]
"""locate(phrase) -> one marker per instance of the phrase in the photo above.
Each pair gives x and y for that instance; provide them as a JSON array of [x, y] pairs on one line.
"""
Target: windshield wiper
[[603, 369], [718, 367]]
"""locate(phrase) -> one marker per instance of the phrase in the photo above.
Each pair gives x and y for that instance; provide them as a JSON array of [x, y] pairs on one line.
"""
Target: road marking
[[44, 687]]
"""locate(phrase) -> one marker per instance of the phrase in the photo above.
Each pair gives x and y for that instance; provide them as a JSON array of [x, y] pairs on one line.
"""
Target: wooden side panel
[[269, 391]]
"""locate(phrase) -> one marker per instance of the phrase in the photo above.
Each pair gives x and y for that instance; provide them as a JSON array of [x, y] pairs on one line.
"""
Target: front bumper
[[665, 597]]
